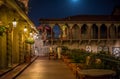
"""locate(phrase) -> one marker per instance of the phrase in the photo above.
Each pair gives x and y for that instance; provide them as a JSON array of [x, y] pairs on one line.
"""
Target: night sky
[[63, 8]]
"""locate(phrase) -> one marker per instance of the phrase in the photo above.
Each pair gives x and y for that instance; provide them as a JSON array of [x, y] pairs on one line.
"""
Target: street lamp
[[14, 23], [31, 34], [25, 29]]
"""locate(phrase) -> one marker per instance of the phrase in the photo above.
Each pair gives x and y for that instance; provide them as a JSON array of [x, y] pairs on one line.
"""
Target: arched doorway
[[84, 31], [64, 31], [112, 31], [75, 32], [48, 31], [94, 32], [56, 31], [103, 32]]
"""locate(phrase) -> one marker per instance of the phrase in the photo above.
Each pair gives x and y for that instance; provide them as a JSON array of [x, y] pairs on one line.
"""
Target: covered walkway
[[43, 68]]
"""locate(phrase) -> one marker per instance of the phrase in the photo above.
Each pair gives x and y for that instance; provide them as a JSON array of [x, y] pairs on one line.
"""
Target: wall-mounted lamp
[[31, 33], [14, 23], [25, 29]]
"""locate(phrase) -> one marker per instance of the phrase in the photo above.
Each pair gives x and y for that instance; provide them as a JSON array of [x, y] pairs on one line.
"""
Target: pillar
[[80, 37], [89, 31], [9, 47], [15, 48], [70, 31], [108, 27], [98, 31], [3, 53], [117, 31], [51, 25], [21, 53]]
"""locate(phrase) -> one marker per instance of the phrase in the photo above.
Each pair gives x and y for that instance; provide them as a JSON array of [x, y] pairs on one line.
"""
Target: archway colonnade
[[84, 31], [105, 35]]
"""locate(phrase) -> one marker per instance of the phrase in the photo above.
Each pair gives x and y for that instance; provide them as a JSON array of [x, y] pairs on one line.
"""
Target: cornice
[[16, 7]]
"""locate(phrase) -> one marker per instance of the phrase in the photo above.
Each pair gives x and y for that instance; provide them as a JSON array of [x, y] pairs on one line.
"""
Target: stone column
[[3, 52], [117, 25], [80, 25], [21, 55], [51, 25], [98, 31], [89, 31], [9, 47], [71, 25], [3, 38], [108, 25]]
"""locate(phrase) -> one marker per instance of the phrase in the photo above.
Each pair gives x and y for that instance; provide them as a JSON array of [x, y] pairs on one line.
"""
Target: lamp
[[25, 29], [14, 23], [31, 33]]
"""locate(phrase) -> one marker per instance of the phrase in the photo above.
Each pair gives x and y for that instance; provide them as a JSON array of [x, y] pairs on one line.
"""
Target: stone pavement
[[11, 73], [43, 68]]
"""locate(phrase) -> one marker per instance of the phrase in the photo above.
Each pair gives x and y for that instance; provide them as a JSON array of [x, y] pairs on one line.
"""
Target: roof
[[86, 18]]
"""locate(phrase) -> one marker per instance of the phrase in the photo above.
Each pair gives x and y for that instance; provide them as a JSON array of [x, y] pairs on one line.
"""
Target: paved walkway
[[11, 73], [43, 68]]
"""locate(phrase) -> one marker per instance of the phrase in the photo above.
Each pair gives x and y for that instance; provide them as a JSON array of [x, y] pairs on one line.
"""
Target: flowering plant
[[30, 40], [2, 29]]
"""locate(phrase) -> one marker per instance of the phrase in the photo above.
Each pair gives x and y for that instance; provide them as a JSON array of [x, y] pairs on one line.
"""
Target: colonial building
[[24, 4], [90, 32], [13, 49]]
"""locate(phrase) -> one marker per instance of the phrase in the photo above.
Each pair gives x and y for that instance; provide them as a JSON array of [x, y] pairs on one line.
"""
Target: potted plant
[[30, 40], [2, 30]]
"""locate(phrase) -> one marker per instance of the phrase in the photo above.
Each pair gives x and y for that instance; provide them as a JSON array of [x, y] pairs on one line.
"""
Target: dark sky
[[63, 8]]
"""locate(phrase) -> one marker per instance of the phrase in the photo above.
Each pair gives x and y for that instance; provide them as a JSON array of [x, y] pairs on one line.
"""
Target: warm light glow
[[31, 33], [35, 36], [25, 29], [14, 23]]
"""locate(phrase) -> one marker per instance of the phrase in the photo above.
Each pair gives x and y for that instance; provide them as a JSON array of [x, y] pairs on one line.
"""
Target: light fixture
[[31, 33], [14, 23], [25, 29]]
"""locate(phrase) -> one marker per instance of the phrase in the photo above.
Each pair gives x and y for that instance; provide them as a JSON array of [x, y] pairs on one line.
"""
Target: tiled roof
[[86, 18]]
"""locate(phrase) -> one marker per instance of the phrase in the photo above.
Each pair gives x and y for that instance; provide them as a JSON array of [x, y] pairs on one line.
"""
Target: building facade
[[13, 49], [89, 32]]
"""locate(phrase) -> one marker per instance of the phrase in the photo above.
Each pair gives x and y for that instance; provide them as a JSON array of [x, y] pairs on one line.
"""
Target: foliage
[[78, 56], [101, 60], [30, 40], [2, 29], [64, 49]]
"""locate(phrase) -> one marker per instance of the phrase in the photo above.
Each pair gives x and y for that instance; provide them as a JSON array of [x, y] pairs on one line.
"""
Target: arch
[[103, 31], [84, 29], [40, 28], [64, 30], [48, 31], [68, 31], [75, 32], [94, 31], [56, 31], [112, 31], [119, 32]]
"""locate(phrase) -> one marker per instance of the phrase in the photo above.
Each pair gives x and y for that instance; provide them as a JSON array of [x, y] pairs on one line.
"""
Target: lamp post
[[31, 34], [10, 32], [25, 29], [14, 23]]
